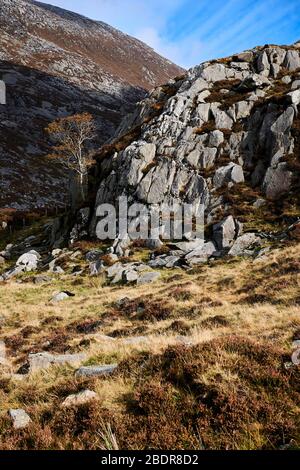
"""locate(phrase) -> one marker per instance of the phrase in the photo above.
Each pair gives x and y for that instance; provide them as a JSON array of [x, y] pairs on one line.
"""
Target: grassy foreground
[[211, 374]]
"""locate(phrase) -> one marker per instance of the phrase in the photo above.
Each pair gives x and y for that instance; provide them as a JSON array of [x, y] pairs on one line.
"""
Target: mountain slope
[[55, 40], [54, 63]]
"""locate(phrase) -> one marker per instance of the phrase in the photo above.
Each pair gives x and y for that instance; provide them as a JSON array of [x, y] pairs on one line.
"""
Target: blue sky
[[191, 31]]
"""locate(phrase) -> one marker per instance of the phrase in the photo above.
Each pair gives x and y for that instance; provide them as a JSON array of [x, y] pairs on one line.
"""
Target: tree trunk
[[83, 189], [81, 186]]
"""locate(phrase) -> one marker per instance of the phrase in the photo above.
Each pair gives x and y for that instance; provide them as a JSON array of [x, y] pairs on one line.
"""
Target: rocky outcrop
[[226, 124], [56, 63]]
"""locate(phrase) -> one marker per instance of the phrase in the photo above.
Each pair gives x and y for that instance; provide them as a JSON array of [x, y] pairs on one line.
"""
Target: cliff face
[[56, 63], [225, 135]]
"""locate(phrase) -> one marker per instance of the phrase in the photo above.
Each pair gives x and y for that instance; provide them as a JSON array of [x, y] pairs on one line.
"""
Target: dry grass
[[273, 216], [228, 98], [223, 380]]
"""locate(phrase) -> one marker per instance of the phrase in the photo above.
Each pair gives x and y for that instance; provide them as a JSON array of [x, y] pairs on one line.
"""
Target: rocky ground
[[96, 353]]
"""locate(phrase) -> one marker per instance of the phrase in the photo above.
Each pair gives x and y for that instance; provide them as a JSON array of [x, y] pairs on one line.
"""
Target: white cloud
[[186, 52]]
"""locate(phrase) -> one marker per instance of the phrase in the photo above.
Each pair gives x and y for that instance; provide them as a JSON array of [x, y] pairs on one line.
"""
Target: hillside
[[54, 63], [198, 360], [168, 344]]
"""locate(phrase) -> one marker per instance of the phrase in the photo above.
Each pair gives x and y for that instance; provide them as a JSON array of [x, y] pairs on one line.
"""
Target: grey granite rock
[[45, 360], [19, 418], [96, 371]]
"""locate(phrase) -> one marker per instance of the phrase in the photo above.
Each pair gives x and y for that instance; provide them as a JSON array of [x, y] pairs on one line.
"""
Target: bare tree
[[71, 135]]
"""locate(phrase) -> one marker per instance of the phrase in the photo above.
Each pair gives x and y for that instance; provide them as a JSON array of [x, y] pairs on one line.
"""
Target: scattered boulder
[[42, 279], [148, 277], [188, 246], [263, 64], [96, 267], [54, 267], [11, 273], [140, 268], [130, 276], [225, 232], [111, 258], [61, 296], [184, 341], [56, 252], [287, 79], [260, 202], [222, 120], [94, 255], [158, 262], [28, 261], [79, 398], [201, 254], [19, 418], [164, 261], [243, 243], [45, 360], [96, 371], [103, 338], [115, 269], [118, 277]]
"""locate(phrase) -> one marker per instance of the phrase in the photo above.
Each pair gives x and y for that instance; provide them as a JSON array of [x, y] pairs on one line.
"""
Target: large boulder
[[292, 60], [225, 232], [243, 243], [231, 173], [277, 181], [28, 261]]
